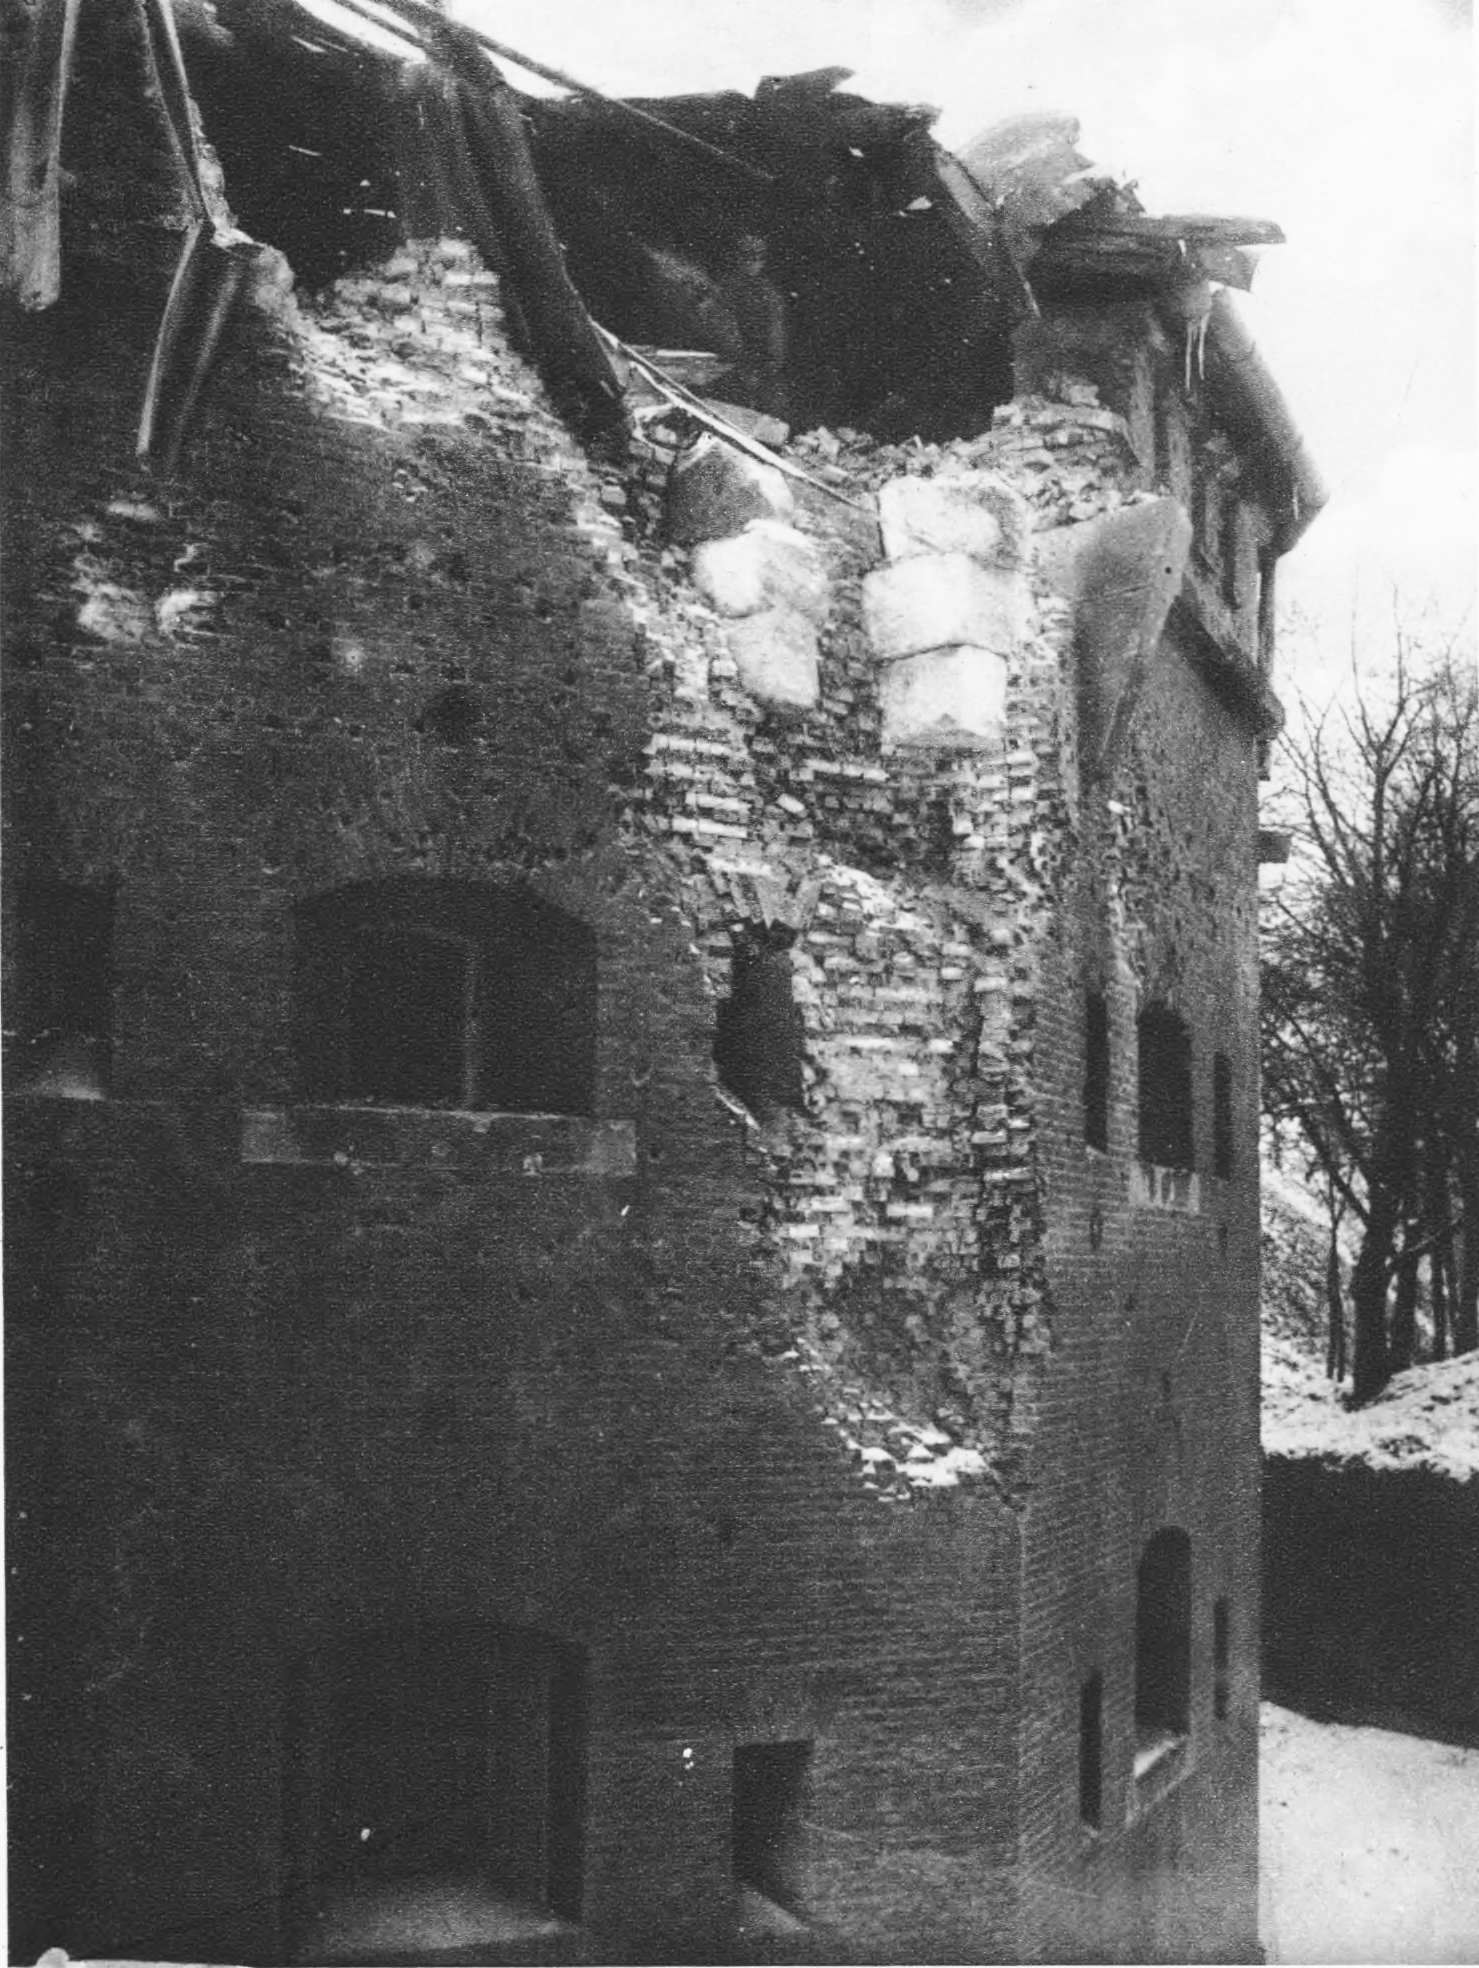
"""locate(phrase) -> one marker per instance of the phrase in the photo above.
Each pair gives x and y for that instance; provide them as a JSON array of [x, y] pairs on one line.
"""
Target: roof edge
[[1233, 343]]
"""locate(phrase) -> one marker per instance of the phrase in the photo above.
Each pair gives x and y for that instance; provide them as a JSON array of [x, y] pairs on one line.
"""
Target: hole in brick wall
[[769, 1795], [1165, 1088], [1163, 1641], [1222, 1116], [1091, 1750], [1221, 1657], [432, 993], [60, 1020], [1096, 1070], [760, 1038], [450, 1751]]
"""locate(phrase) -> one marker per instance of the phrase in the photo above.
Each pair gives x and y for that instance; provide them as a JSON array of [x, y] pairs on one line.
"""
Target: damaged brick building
[[633, 738]]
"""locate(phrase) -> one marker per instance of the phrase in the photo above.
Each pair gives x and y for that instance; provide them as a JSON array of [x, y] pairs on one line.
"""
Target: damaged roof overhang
[[847, 263], [1255, 400]]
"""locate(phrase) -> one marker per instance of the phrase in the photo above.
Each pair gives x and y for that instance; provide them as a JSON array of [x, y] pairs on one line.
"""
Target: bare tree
[[1371, 993]]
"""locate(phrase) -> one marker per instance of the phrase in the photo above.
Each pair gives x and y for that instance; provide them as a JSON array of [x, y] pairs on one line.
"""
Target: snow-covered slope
[[1427, 1418]]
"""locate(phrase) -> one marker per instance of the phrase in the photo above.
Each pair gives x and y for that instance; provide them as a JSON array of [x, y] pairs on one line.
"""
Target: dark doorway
[[443, 1751]]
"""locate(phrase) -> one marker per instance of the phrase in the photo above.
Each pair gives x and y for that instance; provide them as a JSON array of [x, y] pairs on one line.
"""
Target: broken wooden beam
[[35, 94]]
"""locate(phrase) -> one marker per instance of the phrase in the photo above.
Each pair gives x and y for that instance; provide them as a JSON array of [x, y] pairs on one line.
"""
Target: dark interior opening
[[769, 1796], [841, 287], [60, 1015], [450, 1750], [760, 1037], [409, 1015], [1222, 1116], [842, 293], [1221, 1657], [1096, 1070], [305, 125], [1165, 1088], [1163, 1640], [1091, 1750], [446, 994], [51, 1877]]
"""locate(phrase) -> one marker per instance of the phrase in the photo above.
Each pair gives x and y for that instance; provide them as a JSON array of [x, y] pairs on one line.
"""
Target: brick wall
[[833, 1425]]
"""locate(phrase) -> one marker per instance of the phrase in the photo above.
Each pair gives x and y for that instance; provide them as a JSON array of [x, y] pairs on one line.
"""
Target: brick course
[[846, 1425]]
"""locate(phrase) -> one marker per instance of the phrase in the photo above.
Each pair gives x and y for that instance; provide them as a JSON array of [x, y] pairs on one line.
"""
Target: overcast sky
[[1350, 122]]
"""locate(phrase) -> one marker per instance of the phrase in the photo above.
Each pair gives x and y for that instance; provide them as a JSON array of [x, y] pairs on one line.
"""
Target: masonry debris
[[828, 583]]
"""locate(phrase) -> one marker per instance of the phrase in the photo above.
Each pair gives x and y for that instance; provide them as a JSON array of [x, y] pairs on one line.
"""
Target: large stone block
[[937, 600], [768, 565], [775, 653], [715, 490], [975, 513], [954, 699]]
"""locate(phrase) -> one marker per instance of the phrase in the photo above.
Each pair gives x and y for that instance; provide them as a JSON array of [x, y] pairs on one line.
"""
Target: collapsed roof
[[830, 259]]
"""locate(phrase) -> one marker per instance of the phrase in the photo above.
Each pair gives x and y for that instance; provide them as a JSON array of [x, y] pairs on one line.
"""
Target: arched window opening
[[1162, 1645], [769, 1794], [446, 994], [1096, 1070], [1165, 1088], [1222, 1116], [759, 1037], [448, 1751]]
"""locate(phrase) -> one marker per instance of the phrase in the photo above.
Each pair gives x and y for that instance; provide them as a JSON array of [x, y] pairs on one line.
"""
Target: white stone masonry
[[948, 610]]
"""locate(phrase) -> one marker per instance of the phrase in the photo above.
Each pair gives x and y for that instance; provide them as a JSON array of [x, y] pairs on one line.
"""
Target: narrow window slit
[[1222, 1116], [1091, 1751], [1096, 1070], [1221, 1658]]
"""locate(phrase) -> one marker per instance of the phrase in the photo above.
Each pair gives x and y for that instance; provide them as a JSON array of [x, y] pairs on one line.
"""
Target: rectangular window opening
[[1096, 1070], [61, 1019], [1164, 1044], [1091, 1751], [422, 993], [1221, 1658], [1163, 1645], [769, 1794], [1267, 561]]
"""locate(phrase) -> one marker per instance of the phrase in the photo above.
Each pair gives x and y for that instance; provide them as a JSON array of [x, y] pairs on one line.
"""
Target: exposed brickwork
[[847, 1425]]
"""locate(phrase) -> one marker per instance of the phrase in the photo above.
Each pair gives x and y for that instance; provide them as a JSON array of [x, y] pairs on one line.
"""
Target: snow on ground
[[1369, 1844], [1426, 1418]]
